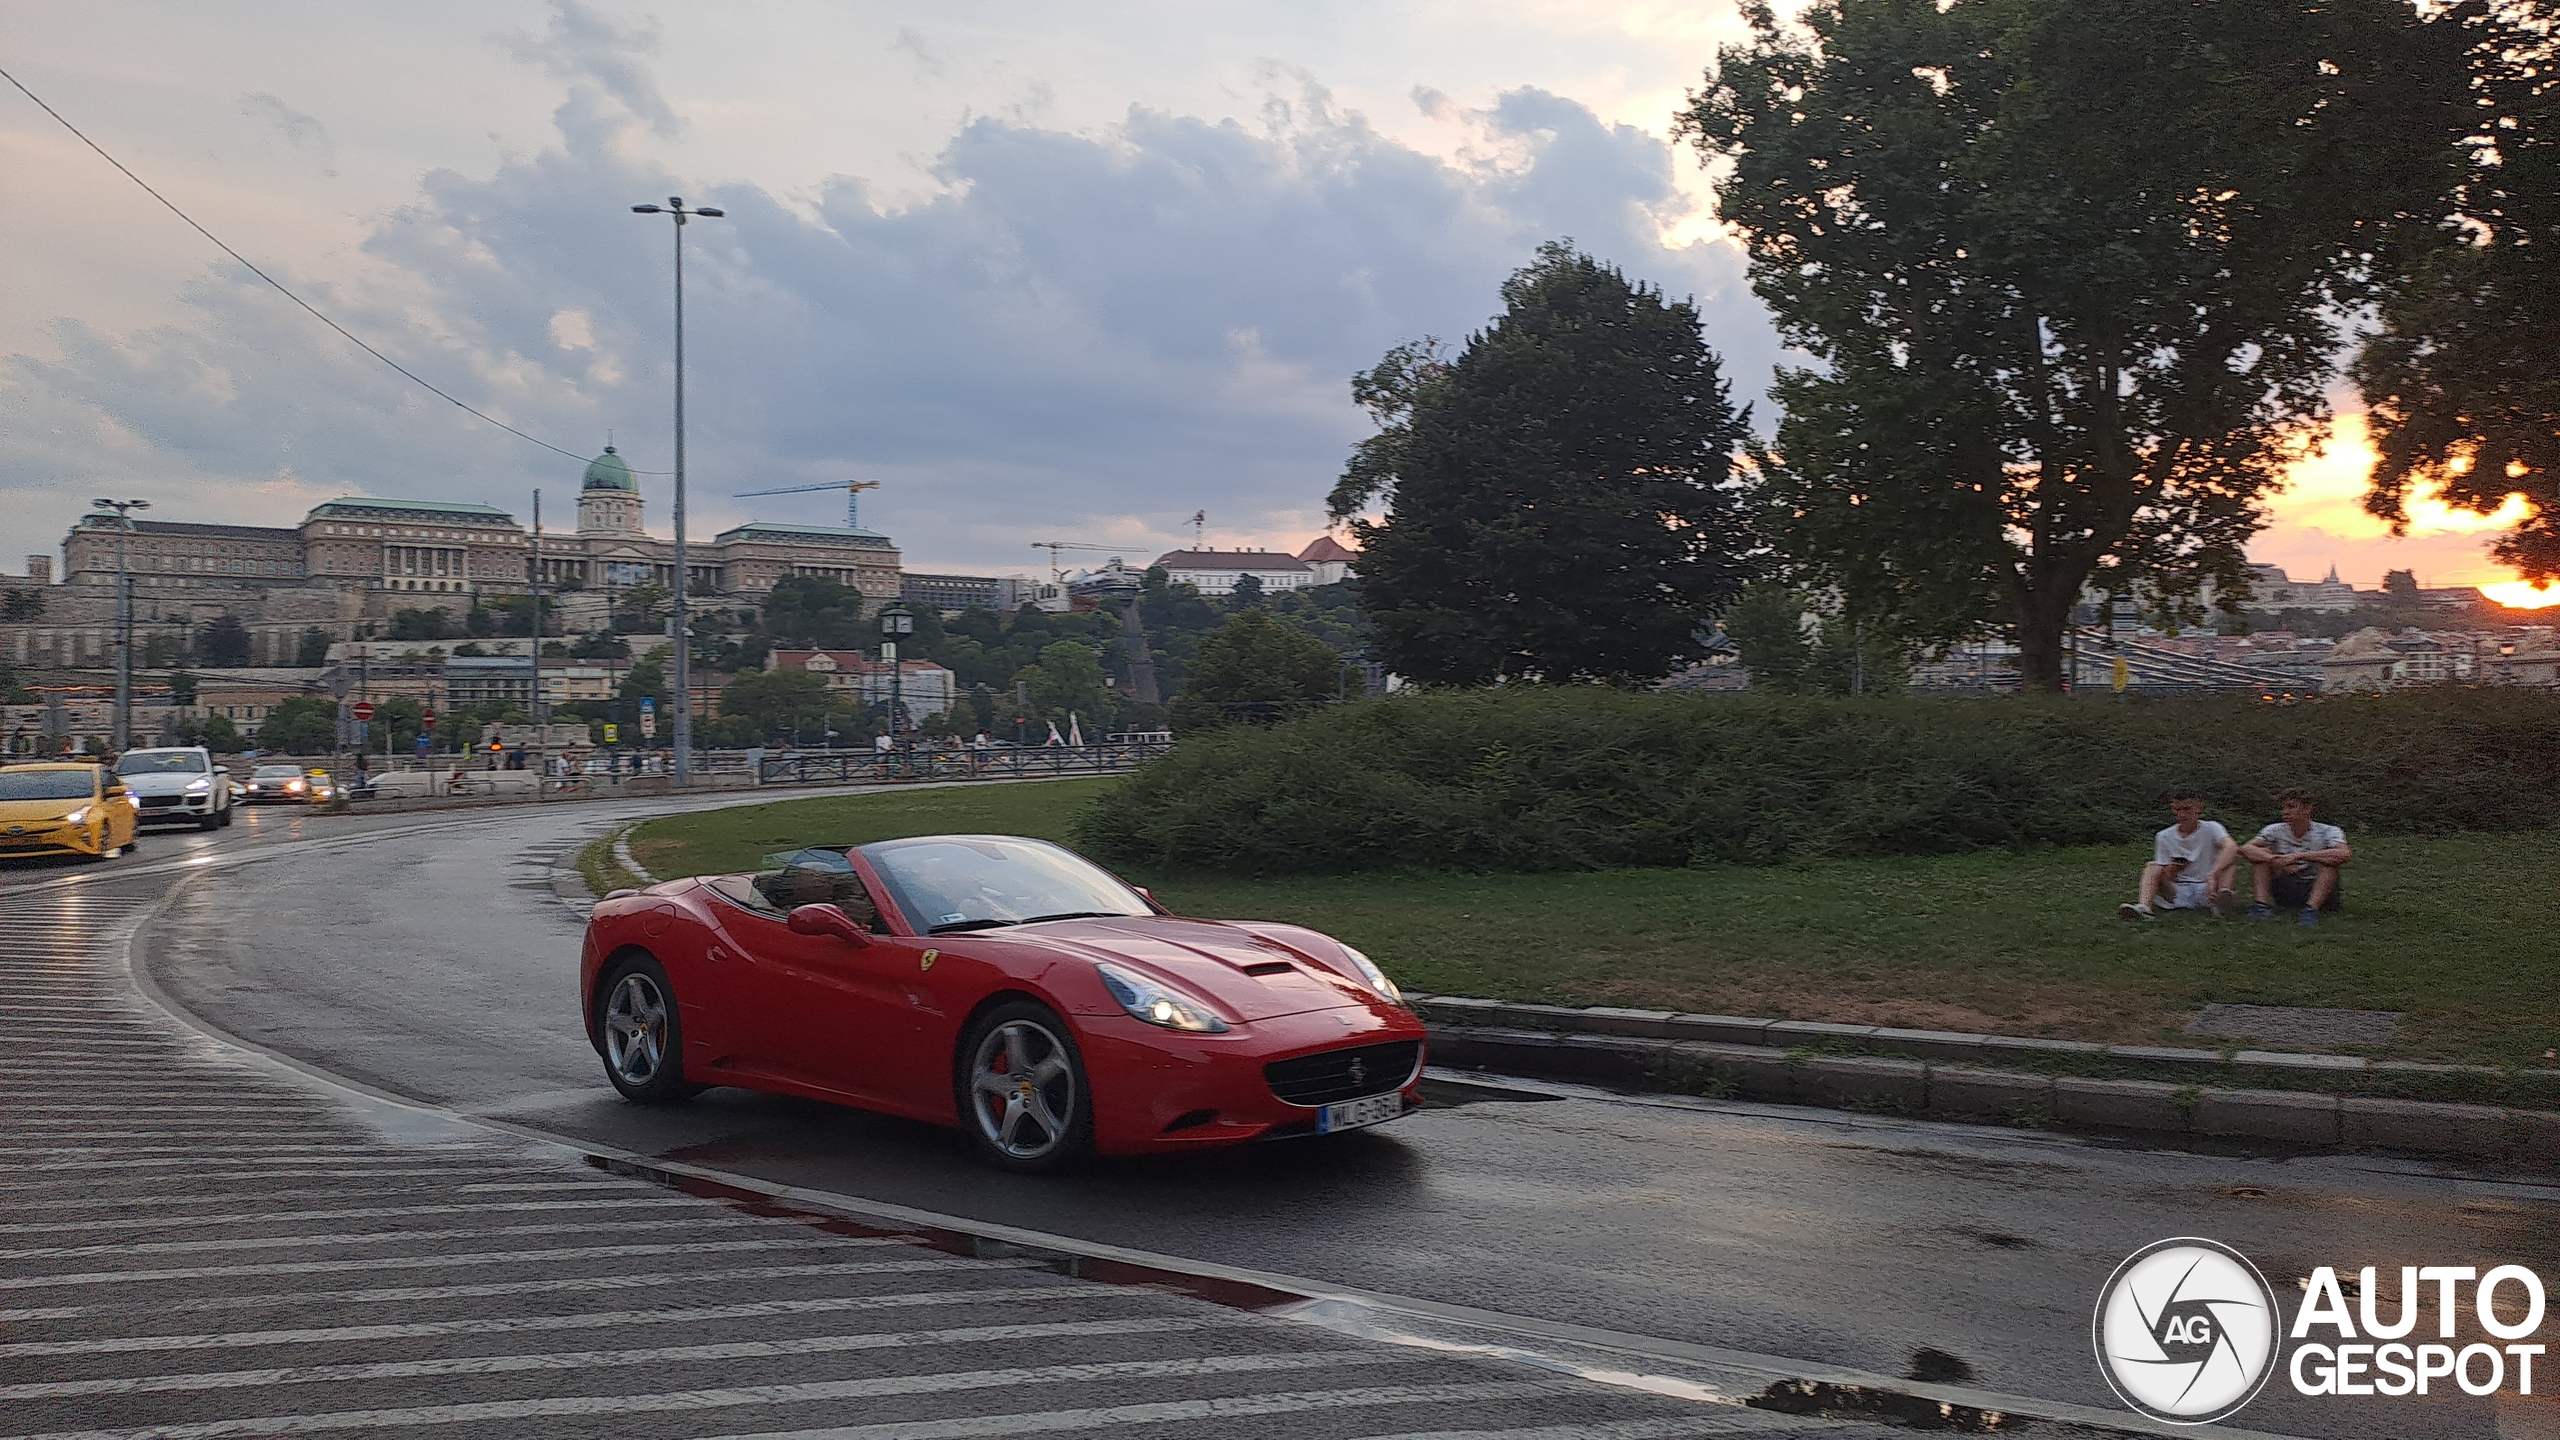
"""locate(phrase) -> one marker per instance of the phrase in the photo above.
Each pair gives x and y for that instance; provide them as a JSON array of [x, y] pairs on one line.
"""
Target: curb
[[1895, 1085], [1923, 1044]]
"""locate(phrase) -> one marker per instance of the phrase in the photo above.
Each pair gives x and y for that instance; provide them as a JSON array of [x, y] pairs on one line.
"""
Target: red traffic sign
[[362, 710], [428, 719]]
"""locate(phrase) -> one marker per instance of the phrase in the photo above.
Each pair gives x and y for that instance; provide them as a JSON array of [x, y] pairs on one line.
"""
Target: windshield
[[276, 772], [47, 785], [162, 762], [978, 882]]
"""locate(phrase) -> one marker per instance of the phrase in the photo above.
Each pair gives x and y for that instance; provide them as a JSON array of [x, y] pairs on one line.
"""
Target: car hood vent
[[1245, 975]]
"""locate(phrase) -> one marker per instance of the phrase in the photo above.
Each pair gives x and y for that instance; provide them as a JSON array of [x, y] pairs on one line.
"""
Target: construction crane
[[1054, 546], [852, 496]]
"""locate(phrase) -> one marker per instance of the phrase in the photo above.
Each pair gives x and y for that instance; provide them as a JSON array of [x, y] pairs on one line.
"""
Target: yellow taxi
[[64, 809]]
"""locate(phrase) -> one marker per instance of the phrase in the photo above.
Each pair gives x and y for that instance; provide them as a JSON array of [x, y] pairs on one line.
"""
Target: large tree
[[1555, 508], [2074, 273], [1255, 669], [2460, 384]]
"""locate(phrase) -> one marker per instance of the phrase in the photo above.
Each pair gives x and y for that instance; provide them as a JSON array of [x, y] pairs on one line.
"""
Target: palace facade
[[360, 558]]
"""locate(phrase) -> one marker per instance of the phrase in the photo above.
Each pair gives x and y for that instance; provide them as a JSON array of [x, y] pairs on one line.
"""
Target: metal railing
[[960, 763]]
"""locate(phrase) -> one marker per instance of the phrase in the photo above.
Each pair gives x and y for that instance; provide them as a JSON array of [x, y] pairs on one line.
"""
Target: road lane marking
[[403, 1294], [1665, 1428], [1164, 1412], [350, 1372], [587, 1320], [365, 1158], [713, 1220], [879, 1387], [381, 1212], [235, 1197], [398, 1262], [332, 1174]]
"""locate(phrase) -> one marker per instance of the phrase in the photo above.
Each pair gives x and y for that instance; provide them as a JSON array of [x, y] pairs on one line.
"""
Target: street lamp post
[[683, 632], [123, 737], [895, 624]]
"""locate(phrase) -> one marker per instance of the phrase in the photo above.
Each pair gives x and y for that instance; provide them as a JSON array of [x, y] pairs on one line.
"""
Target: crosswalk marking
[[878, 1387], [351, 1283], [1048, 1422], [530, 1324], [381, 1212]]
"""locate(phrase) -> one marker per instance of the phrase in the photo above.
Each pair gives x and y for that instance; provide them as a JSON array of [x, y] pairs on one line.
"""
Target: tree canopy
[[1554, 500], [2459, 384], [1255, 670], [2074, 275]]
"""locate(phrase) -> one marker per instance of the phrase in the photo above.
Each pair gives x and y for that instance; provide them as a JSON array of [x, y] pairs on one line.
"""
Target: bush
[[1536, 779]]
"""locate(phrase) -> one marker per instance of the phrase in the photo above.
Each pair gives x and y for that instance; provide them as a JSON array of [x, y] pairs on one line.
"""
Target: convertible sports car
[[1003, 985]]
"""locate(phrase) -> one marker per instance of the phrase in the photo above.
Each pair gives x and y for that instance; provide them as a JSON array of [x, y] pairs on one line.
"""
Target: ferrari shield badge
[[928, 958]]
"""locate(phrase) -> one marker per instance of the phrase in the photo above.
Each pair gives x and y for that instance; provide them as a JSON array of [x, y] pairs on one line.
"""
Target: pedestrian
[[2294, 863], [2192, 864]]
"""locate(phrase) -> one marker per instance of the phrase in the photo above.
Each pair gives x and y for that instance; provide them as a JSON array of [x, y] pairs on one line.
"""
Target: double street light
[[123, 739], [683, 633]]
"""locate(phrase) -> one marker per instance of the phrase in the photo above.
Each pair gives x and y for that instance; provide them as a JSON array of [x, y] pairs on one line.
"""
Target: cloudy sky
[[1049, 274]]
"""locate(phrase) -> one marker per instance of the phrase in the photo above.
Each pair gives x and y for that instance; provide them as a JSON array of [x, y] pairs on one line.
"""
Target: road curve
[[436, 962]]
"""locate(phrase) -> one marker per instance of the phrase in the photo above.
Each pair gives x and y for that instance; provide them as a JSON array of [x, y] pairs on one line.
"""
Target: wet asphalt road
[[438, 963]]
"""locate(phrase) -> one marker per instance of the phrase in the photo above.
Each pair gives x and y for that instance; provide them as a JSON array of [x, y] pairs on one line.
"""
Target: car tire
[[641, 1033], [1034, 1125], [211, 821]]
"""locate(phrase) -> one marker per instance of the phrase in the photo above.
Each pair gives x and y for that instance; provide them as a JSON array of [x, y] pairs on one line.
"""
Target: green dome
[[607, 472]]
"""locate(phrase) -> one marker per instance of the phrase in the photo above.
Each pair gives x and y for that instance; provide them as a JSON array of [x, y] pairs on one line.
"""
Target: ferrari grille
[[1332, 1075]]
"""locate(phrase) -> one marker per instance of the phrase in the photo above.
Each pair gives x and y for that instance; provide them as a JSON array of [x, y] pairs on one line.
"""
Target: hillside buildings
[[358, 559]]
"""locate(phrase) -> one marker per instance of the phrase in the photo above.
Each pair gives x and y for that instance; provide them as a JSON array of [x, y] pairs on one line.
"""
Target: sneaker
[[2262, 911], [2308, 916], [2133, 912], [2226, 903]]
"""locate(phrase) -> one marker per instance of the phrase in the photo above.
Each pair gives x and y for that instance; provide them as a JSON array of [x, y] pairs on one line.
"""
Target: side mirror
[[1149, 895], [828, 920]]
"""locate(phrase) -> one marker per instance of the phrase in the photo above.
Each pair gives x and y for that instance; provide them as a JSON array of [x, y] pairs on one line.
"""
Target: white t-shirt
[[2192, 854], [2280, 838]]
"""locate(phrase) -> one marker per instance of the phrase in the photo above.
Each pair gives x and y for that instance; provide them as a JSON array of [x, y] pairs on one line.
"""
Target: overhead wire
[[421, 381]]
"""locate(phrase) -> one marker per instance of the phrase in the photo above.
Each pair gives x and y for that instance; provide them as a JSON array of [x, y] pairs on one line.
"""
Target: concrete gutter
[[1952, 1076]]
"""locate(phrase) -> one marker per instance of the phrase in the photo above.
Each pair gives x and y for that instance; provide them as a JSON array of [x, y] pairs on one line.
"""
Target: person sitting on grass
[[2294, 862], [2192, 864]]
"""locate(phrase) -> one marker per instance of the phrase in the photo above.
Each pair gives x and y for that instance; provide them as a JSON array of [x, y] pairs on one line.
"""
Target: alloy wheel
[[1022, 1088], [635, 1029]]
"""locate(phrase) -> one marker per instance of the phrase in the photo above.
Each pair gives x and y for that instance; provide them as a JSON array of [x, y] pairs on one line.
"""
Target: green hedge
[[1532, 778]]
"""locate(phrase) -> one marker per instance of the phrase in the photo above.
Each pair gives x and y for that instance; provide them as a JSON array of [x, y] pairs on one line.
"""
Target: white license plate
[[1352, 1114]]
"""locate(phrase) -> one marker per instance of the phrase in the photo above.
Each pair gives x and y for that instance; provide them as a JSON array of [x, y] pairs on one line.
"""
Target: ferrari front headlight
[[1376, 977], [1158, 1003]]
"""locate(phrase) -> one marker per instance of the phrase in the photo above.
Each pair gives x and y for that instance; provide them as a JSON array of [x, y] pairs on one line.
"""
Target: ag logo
[[2186, 1331]]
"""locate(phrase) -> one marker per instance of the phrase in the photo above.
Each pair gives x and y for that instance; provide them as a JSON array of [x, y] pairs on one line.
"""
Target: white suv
[[176, 784]]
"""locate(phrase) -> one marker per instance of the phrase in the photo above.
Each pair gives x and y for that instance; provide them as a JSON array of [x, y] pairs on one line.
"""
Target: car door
[[825, 1012]]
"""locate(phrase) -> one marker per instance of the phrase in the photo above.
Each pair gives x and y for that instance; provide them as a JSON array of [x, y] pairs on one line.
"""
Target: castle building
[[359, 558]]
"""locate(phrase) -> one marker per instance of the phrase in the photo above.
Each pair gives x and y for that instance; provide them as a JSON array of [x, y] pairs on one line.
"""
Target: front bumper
[[1163, 1090], [47, 837], [163, 809]]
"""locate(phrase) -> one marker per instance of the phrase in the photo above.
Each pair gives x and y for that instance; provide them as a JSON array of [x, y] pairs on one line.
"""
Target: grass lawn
[[2456, 931]]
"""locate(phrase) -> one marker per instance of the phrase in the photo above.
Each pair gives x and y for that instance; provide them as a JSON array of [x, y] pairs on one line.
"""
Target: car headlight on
[[199, 787], [77, 817], [293, 784], [1158, 1003], [1376, 977]]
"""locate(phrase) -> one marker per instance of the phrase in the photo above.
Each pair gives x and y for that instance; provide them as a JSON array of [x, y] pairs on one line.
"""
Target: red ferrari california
[[1003, 985]]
